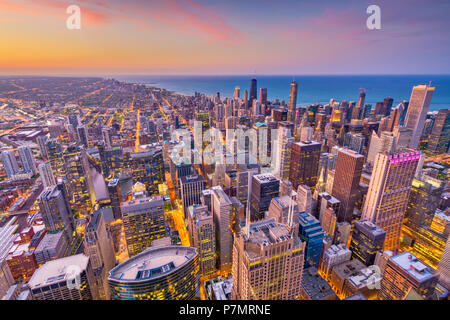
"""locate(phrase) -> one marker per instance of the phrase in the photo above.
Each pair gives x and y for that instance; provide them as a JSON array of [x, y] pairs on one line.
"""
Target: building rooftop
[[7, 236], [370, 228], [222, 289], [316, 287], [95, 220], [113, 182], [350, 152], [413, 266], [199, 212], [349, 268], [268, 231], [364, 277], [306, 219], [329, 198], [56, 271], [336, 250], [153, 263], [222, 196], [356, 296], [49, 241], [141, 204], [265, 178], [191, 178]]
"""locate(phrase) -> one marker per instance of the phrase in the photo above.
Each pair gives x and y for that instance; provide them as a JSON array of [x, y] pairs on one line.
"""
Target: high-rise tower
[[292, 104], [417, 111], [388, 194], [346, 182]]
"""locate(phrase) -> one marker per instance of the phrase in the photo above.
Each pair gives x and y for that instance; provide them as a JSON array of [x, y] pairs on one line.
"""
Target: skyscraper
[[346, 182], [405, 272], [444, 266], [367, 240], [263, 96], [74, 120], [283, 153], [268, 262], [423, 201], [292, 104], [143, 221], [55, 211], [325, 201], [222, 211], [203, 237], [46, 174], [354, 141], [385, 142], [237, 93], [76, 176], [304, 198], [6, 278], [106, 134], [10, 163], [27, 159], [440, 135], [57, 280], [358, 111], [417, 111], [264, 188], [98, 246], [304, 164], [42, 143], [388, 194], [55, 156], [160, 273], [191, 188], [147, 167], [115, 195], [253, 91], [311, 233], [83, 136], [387, 106]]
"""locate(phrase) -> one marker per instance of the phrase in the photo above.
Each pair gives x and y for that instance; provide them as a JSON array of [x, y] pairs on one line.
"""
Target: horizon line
[[76, 75]]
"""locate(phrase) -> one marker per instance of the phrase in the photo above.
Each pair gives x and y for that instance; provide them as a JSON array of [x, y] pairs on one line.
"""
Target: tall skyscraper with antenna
[[253, 90], [292, 104]]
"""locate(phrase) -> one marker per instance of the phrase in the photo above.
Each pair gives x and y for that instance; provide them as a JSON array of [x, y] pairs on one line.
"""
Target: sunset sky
[[224, 37]]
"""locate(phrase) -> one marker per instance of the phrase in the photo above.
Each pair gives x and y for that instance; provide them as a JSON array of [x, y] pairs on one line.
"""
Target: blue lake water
[[312, 89]]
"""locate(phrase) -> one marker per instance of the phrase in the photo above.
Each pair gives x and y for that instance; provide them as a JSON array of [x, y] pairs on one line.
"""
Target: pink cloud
[[52, 8], [185, 16]]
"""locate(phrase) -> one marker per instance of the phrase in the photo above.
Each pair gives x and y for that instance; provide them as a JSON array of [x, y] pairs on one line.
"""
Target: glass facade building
[[310, 232], [162, 273]]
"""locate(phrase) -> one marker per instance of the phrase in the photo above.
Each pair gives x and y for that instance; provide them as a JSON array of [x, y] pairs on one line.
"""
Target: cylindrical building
[[161, 273]]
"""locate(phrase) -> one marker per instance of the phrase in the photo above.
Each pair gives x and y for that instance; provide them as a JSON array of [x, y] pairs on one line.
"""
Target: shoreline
[[302, 104]]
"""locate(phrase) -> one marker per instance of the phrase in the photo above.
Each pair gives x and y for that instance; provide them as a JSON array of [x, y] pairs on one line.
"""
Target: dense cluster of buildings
[[352, 203]]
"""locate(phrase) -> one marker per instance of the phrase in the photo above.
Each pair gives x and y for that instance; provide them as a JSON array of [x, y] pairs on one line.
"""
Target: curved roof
[[153, 263]]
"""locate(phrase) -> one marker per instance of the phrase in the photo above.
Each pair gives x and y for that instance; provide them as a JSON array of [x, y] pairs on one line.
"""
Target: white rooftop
[[55, 271]]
